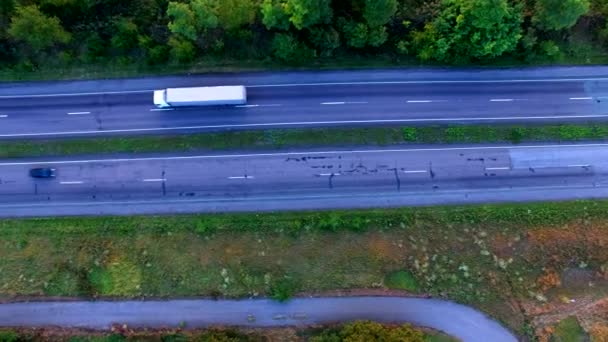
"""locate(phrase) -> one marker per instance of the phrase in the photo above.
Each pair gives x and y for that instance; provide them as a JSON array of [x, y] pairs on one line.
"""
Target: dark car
[[42, 172]]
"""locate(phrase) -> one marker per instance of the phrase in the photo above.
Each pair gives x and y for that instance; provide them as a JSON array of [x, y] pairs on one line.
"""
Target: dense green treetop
[[35, 32], [39, 31], [471, 30], [558, 14]]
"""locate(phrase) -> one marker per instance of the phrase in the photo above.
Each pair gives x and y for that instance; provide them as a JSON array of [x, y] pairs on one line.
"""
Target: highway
[[308, 99], [462, 322], [304, 180]]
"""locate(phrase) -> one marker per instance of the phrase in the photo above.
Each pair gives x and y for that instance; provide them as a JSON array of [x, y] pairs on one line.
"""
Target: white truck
[[200, 96]]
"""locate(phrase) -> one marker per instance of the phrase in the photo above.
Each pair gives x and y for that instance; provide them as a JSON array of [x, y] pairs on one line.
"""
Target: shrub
[[516, 135], [569, 330], [409, 133], [288, 49], [283, 289], [8, 336], [401, 280]]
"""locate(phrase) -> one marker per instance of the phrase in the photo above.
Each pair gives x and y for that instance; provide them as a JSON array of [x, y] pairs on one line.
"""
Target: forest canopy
[[35, 33]]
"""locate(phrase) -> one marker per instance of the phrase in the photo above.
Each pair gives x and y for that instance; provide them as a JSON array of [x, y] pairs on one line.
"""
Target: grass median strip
[[504, 259], [315, 137]]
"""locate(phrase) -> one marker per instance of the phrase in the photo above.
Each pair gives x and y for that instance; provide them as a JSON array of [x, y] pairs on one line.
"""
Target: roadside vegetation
[[50, 39], [529, 265], [354, 331], [307, 138]]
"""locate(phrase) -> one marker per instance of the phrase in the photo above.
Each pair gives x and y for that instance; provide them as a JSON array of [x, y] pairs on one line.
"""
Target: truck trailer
[[200, 96]]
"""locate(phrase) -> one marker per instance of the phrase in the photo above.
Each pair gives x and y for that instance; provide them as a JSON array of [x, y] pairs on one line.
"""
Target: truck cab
[[160, 99]]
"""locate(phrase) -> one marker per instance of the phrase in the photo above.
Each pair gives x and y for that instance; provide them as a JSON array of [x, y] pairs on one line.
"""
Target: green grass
[[470, 253], [9, 336], [316, 137], [569, 330], [439, 337], [401, 280]]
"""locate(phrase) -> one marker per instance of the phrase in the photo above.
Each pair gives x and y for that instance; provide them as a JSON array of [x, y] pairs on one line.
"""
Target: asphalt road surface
[[308, 99], [305, 180], [454, 319]]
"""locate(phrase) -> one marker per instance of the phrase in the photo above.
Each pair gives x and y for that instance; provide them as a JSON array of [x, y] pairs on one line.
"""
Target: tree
[[274, 15], [183, 21], [289, 50], [379, 12], [306, 13], [326, 40], [558, 14], [34, 28], [301, 13], [182, 50], [470, 30], [125, 35], [206, 14], [377, 36], [356, 34], [233, 14]]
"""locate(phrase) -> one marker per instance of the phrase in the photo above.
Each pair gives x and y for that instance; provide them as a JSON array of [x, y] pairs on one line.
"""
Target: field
[[516, 262]]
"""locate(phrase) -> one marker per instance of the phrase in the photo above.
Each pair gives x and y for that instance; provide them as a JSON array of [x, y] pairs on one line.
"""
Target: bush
[[570, 132], [288, 49], [516, 135], [569, 330], [8, 336], [409, 133], [401, 280], [182, 50], [283, 289], [550, 50]]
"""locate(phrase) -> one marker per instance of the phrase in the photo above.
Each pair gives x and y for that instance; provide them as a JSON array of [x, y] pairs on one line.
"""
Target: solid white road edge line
[[79, 113], [286, 154]]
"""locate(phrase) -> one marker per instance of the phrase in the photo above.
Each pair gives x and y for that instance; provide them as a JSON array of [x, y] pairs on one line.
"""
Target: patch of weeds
[[455, 134], [409, 134], [516, 135], [572, 132], [283, 289], [9, 336], [120, 278], [401, 280], [569, 330]]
